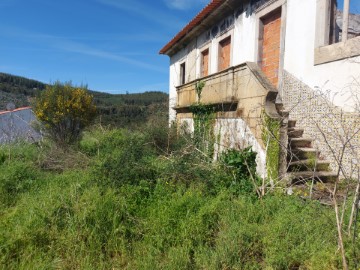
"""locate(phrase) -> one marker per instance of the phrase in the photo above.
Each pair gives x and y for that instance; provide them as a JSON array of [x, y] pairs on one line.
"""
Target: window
[[224, 53], [344, 20], [182, 73], [270, 43], [205, 63], [337, 31]]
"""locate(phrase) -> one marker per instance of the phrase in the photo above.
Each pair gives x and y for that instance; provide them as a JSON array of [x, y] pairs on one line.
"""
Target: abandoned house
[[16, 125], [283, 71]]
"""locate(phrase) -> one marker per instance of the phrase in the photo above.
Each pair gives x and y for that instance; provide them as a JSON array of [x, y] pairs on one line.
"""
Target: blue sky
[[354, 5], [110, 45]]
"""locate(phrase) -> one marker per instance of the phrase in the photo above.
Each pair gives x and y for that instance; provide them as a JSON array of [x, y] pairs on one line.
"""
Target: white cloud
[[185, 4], [79, 48], [71, 46], [144, 11]]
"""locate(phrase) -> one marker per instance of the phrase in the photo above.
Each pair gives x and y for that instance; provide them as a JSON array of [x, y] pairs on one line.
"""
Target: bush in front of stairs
[[271, 139], [241, 165]]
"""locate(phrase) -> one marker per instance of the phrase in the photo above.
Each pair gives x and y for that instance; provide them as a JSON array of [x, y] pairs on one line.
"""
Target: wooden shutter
[[205, 63], [224, 54]]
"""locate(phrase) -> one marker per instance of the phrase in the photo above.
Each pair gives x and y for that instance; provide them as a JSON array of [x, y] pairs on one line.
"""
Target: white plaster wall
[[236, 134], [335, 78], [244, 40], [233, 134], [174, 78]]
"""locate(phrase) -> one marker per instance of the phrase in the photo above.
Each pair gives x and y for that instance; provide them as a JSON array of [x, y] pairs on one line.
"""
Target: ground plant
[[147, 200]]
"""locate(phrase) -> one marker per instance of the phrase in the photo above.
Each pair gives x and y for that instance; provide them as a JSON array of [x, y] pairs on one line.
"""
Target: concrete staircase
[[304, 163]]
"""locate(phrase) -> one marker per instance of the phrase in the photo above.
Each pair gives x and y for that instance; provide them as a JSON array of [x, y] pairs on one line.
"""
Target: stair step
[[309, 164], [302, 153], [284, 113], [306, 176], [291, 123], [295, 133], [300, 142], [279, 106]]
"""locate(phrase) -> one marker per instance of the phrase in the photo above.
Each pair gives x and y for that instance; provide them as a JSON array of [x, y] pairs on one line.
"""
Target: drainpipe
[[345, 24]]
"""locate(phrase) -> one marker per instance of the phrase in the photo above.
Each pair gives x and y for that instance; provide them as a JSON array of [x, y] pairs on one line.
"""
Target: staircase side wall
[[336, 133]]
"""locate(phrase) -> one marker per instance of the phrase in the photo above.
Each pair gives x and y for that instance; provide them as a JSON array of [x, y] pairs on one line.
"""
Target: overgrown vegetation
[[271, 139], [204, 122], [147, 200]]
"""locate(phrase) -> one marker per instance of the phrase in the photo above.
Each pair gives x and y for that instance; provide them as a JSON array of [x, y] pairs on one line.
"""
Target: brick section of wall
[[326, 124], [224, 54], [271, 46]]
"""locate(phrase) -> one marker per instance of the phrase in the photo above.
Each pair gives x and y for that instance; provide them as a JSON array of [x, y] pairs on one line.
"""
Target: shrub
[[65, 111], [242, 165]]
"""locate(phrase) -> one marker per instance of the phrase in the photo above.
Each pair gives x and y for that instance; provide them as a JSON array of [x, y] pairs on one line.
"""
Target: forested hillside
[[18, 90], [126, 110], [118, 110]]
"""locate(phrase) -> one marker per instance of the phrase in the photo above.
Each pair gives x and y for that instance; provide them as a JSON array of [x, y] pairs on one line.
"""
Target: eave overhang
[[213, 12]]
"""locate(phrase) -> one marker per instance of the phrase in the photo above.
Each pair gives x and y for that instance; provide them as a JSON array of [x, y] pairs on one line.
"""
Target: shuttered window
[[224, 53], [205, 63]]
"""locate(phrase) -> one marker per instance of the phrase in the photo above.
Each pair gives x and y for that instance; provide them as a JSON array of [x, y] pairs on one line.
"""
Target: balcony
[[242, 88]]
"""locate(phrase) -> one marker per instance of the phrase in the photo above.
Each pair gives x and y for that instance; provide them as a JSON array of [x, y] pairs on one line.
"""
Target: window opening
[[205, 63], [224, 53], [182, 73], [344, 20]]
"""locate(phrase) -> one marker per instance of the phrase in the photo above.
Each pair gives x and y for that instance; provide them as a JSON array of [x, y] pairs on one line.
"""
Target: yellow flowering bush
[[65, 111]]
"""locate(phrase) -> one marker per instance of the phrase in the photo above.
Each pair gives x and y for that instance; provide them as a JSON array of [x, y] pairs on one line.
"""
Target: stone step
[[307, 176], [279, 106], [302, 153], [284, 113], [291, 123], [295, 133], [308, 165], [300, 142]]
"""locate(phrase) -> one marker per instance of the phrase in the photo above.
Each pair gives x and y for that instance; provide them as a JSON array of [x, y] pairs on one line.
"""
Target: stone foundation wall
[[233, 133], [335, 133]]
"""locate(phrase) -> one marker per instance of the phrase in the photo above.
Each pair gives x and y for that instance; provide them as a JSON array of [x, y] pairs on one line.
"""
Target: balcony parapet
[[244, 85]]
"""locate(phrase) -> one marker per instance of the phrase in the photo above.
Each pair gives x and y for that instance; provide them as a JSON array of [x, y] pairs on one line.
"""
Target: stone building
[[291, 62]]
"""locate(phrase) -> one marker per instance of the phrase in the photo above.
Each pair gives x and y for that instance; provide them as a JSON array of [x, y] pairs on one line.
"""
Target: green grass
[[131, 208]]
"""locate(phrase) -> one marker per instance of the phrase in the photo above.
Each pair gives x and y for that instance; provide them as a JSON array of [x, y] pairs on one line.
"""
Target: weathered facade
[[280, 60]]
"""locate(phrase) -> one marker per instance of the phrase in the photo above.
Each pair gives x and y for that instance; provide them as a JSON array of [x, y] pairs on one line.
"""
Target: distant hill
[[18, 90], [118, 110]]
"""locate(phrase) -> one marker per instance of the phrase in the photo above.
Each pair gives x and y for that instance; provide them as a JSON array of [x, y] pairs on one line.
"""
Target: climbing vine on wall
[[204, 122], [271, 139]]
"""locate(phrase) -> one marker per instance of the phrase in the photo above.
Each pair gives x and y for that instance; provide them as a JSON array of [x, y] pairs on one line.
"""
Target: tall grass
[[132, 208]]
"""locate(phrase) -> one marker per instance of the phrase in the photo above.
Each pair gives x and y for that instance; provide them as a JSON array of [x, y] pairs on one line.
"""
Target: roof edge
[[16, 110]]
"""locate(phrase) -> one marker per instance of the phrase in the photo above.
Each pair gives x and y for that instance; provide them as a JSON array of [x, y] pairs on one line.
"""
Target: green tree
[[65, 111]]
